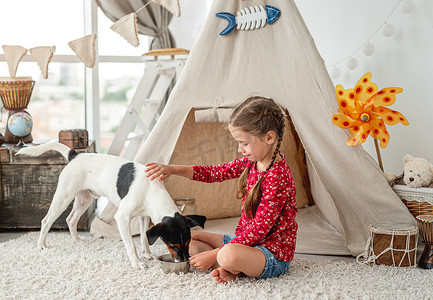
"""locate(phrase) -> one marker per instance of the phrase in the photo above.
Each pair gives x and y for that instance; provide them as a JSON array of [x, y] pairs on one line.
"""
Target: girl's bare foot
[[223, 276]]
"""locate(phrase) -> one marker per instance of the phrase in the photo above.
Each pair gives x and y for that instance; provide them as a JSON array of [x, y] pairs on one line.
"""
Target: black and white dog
[[88, 176]]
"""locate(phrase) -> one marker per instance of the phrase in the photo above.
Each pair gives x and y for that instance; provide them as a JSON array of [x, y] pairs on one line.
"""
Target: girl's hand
[[204, 260], [159, 171]]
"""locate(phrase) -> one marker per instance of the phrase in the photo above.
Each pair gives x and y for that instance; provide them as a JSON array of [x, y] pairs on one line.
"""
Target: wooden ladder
[[160, 74]]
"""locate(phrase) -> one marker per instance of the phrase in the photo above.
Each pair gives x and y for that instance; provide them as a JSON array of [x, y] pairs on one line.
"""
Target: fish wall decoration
[[250, 18]]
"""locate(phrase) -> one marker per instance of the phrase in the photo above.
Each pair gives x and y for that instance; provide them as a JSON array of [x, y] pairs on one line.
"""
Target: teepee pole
[[379, 158]]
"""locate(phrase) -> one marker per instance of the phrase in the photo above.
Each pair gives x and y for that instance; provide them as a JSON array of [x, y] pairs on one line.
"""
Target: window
[[59, 102], [32, 23], [117, 80], [117, 84]]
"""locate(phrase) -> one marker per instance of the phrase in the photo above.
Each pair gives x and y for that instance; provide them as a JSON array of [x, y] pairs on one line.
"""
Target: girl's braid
[[250, 205], [280, 118]]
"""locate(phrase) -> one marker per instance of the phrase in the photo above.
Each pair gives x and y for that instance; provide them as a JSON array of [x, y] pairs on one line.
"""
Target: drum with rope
[[391, 244]]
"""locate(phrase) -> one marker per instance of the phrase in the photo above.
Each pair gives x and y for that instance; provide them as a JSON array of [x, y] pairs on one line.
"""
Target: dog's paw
[[139, 265], [148, 256], [76, 238], [42, 246]]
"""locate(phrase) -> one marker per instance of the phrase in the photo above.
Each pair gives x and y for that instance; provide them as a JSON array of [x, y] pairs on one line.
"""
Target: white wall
[[339, 28], [187, 27]]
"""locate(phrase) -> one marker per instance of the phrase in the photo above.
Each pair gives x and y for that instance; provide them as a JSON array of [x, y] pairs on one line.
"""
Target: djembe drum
[[15, 93], [391, 244], [426, 227]]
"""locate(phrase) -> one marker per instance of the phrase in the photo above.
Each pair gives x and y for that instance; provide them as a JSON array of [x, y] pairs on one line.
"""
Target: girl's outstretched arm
[[155, 170]]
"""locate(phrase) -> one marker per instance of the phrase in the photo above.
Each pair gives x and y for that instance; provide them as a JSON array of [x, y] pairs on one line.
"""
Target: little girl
[[265, 238]]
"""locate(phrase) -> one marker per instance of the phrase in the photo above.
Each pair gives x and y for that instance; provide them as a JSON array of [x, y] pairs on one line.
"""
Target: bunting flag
[[127, 28], [13, 56], [172, 6], [42, 55], [85, 49]]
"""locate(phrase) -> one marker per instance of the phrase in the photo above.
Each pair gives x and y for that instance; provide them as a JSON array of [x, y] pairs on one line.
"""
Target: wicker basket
[[419, 201]]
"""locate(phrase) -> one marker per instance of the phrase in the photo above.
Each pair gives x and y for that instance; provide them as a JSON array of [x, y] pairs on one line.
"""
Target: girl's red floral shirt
[[274, 225]]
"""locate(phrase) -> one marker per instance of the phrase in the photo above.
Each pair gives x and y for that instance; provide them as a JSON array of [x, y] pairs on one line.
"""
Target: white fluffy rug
[[99, 269]]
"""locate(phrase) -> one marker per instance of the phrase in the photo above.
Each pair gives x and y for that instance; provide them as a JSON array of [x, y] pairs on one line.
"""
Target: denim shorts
[[273, 266]]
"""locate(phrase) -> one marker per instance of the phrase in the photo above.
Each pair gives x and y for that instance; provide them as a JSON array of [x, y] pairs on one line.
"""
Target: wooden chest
[[27, 188], [74, 138]]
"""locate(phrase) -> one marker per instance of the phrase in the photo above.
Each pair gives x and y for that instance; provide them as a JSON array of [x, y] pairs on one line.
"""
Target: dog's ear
[[196, 220], [166, 219], [154, 233]]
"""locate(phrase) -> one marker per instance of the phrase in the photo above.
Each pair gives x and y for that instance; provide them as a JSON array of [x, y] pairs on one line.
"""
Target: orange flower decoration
[[362, 111]]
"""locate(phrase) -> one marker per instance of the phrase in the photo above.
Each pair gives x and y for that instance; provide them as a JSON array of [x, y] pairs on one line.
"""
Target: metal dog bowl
[[170, 266]]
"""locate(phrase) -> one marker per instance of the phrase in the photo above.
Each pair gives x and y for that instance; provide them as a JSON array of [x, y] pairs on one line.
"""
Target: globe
[[20, 124]]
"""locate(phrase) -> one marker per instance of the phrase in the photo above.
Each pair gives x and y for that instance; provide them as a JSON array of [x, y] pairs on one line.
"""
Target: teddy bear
[[417, 172]]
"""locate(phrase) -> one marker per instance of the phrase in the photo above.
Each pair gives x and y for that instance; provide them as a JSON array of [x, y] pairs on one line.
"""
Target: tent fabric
[[281, 61], [317, 236]]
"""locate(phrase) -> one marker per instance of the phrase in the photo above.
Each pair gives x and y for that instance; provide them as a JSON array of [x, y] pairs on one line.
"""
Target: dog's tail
[[64, 150]]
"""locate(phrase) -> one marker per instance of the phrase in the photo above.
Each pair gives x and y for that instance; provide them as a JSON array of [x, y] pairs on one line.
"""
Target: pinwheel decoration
[[362, 111]]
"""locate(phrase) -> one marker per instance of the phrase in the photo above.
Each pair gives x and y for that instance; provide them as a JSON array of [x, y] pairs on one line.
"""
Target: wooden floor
[[13, 234], [6, 236]]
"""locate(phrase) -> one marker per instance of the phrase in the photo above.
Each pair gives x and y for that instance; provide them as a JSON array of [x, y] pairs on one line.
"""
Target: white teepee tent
[[281, 61]]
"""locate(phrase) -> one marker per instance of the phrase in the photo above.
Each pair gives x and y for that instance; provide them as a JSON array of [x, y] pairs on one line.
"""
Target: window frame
[[91, 78]]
